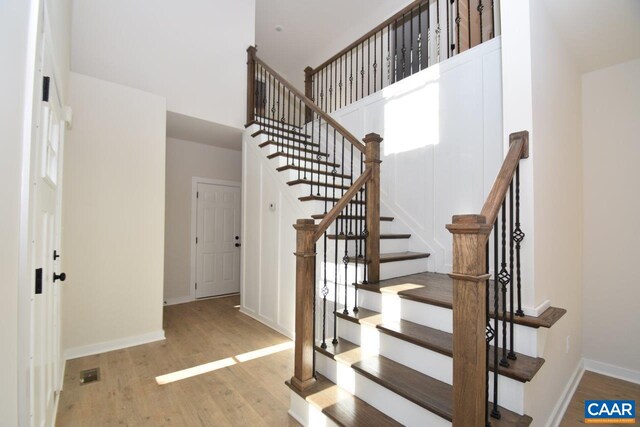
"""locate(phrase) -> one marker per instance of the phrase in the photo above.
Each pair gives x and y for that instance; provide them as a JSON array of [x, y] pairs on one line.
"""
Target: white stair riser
[[307, 414], [386, 246], [395, 308], [431, 363], [386, 401]]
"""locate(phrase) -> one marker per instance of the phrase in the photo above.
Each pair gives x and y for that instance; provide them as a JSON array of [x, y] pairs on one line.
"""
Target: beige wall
[[557, 195], [611, 129], [185, 160], [113, 220]]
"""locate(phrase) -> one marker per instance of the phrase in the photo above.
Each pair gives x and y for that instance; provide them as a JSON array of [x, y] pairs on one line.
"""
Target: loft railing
[[475, 323], [344, 175], [420, 35]]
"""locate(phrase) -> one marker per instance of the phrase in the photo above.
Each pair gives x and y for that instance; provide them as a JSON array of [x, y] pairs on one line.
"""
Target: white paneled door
[[217, 240], [46, 363]]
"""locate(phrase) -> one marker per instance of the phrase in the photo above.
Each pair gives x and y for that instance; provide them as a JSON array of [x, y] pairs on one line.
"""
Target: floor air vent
[[89, 376]]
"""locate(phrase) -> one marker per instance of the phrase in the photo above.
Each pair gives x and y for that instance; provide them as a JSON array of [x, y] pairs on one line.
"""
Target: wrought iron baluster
[[351, 77], [504, 277], [318, 158], [480, 9], [325, 290], [458, 20], [438, 31], [335, 264], [448, 31], [404, 49], [340, 82], [489, 336], [495, 411], [512, 354], [410, 41], [356, 78], [362, 74], [369, 65], [518, 236]]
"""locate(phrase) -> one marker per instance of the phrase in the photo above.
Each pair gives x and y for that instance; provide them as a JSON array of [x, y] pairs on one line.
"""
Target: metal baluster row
[[409, 43], [505, 286]]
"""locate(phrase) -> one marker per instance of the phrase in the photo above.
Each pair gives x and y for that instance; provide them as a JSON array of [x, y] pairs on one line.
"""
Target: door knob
[[62, 277], [237, 245]]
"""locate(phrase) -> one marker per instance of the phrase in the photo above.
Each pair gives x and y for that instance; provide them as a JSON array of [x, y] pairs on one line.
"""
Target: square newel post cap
[[305, 224], [469, 224]]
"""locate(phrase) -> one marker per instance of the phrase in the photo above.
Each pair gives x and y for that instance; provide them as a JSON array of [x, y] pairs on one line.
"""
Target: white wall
[[610, 129], [556, 159], [269, 240], [113, 220], [191, 52], [442, 147], [185, 160], [14, 50]]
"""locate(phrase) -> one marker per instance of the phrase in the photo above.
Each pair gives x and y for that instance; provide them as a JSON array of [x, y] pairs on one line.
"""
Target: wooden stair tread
[[342, 407], [355, 237], [282, 137], [395, 256], [277, 128], [321, 172], [437, 289], [423, 390], [327, 199], [321, 184], [382, 218], [268, 120], [523, 369], [292, 147], [303, 159]]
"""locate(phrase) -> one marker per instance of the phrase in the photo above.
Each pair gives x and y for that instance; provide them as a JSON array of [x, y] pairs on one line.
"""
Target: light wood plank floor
[[596, 386], [249, 393]]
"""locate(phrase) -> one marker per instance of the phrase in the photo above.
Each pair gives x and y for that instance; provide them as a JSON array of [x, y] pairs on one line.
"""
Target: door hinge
[[46, 80], [196, 286], [197, 194], [196, 240]]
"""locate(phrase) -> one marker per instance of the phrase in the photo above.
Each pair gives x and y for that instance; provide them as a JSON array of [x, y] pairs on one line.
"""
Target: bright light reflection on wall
[[412, 117], [222, 363]]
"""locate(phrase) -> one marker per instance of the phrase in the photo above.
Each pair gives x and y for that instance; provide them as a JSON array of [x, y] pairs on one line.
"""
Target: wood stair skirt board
[[355, 237], [310, 170], [522, 369], [437, 289], [342, 407], [382, 218], [303, 159], [424, 391], [393, 257]]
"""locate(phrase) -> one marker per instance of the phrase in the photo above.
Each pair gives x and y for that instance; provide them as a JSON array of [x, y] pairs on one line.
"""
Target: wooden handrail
[[342, 203], [518, 149], [312, 105], [371, 32]]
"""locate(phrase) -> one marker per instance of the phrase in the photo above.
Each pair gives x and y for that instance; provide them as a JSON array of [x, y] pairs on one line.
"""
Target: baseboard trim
[[563, 403], [103, 347], [178, 300], [273, 326], [612, 371]]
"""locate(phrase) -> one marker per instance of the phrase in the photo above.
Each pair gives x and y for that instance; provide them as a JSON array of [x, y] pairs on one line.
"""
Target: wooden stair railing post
[[372, 161], [470, 234], [303, 376], [308, 92], [251, 83]]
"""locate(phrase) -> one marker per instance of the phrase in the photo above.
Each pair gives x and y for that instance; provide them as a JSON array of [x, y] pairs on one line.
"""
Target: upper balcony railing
[[420, 35]]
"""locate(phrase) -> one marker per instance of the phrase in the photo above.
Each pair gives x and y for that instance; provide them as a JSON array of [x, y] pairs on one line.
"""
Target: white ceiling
[[600, 33], [189, 128], [313, 30]]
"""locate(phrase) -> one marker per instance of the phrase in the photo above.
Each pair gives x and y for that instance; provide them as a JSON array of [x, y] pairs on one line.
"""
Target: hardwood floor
[[596, 386], [245, 389]]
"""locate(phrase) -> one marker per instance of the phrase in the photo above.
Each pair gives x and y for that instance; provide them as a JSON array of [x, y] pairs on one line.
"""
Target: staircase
[[379, 339]]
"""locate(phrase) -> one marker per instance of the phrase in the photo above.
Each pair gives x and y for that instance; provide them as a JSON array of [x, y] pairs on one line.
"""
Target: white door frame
[[194, 224]]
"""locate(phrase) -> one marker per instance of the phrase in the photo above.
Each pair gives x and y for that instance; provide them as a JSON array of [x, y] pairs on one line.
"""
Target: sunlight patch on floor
[[222, 363]]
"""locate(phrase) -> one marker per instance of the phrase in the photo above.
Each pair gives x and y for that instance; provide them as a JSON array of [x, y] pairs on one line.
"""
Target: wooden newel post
[[372, 161], [308, 92], [251, 83], [305, 278], [470, 234]]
